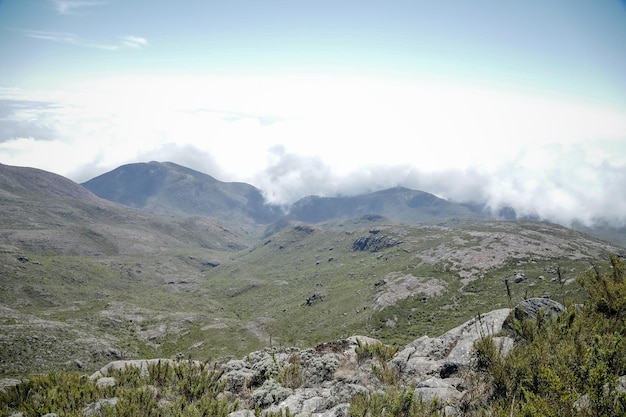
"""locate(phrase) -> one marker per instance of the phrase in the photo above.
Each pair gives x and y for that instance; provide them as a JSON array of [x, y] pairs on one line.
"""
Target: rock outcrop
[[321, 381], [528, 309]]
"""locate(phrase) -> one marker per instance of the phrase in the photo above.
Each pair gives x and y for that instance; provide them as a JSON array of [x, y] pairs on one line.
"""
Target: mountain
[[397, 204], [168, 188], [44, 211]]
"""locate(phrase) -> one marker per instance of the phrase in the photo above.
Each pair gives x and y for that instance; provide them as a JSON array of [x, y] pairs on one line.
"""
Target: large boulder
[[529, 308], [436, 365], [453, 350]]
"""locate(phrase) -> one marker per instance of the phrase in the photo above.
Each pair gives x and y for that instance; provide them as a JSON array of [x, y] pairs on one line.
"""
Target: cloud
[[71, 6], [133, 42], [26, 119], [556, 161]]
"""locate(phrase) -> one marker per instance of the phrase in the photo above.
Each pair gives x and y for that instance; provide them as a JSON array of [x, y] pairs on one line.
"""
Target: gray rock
[[106, 381], [528, 309], [142, 364], [271, 392], [306, 401], [98, 408], [8, 383], [448, 391], [242, 413], [427, 356], [340, 410]]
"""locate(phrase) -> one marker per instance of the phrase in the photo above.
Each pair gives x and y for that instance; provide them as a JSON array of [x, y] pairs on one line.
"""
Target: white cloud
[[134, 42], [71, 6], [563, 160]]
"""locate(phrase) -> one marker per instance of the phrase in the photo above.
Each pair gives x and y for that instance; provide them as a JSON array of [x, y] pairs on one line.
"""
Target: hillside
[[540, 358], [85, 280]]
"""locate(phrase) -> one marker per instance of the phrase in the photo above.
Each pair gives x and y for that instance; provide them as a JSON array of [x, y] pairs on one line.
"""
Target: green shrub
[[391, 403], [188, 388], [376, 350], [290, 376], [566, 365]]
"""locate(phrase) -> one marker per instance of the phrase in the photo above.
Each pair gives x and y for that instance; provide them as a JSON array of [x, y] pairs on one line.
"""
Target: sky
[[506, 103]]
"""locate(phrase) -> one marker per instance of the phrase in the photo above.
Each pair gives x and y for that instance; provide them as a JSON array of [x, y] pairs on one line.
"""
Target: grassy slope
[[161, 302]]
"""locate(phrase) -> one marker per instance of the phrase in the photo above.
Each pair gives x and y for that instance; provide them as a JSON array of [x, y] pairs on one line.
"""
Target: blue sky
[[510, 103]]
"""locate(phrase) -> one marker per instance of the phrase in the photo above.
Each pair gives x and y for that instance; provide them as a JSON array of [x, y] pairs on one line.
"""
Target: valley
[[86, 281]]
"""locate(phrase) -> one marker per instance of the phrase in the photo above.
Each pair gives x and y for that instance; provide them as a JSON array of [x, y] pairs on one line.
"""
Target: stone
[[242, 413], [142, 364], [97, 408], [444, 390], [106, 381], [528, 309], [427, 356]]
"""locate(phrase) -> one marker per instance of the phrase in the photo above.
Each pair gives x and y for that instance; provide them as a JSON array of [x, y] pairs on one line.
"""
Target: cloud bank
[[564, 161]]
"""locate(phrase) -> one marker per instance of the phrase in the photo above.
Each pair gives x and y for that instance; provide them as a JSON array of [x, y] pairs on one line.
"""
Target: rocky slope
[[321, 381]]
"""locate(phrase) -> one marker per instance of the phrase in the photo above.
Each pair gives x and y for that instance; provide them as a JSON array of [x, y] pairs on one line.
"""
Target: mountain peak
[[169, 188]]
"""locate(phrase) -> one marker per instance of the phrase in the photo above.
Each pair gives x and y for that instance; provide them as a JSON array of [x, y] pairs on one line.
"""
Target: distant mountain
[[40, 210], [398, 204], [165, 187], [168, 188]]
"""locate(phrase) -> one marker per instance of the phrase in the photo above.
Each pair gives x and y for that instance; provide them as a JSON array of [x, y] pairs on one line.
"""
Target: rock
[[106, 381], [364, 340], [8, 383], [374, 242], [271, 392], [74, 364], [142, 364], [504, 344], [98, 408], [427, 356], [530, 308], [315, 298], [447, 391], [340, 410], [448, 369], [242, 413]]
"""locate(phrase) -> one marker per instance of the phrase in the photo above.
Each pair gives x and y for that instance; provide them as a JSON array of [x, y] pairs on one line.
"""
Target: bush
[[187, 388], [560, 360], [391, 403], [376, 350]]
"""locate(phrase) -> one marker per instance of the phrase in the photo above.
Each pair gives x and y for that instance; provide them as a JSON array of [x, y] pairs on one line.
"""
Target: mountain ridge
[[243, 202], [168, 188]]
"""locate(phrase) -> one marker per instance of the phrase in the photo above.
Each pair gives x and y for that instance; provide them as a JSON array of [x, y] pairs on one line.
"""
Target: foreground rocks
[[320, 382]]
